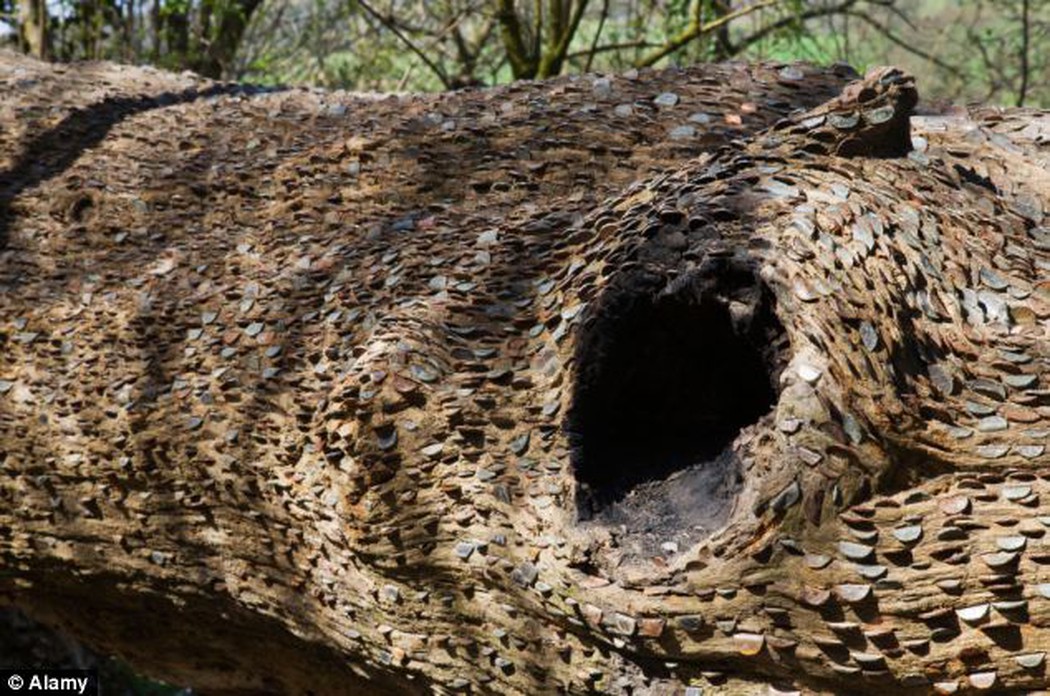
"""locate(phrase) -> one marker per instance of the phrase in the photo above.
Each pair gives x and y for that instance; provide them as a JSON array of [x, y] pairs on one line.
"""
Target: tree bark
[[523, 60], [220, 45], [615, 385], [33, 28]]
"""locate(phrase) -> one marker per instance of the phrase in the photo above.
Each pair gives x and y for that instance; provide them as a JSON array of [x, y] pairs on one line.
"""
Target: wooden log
[[702, 377]]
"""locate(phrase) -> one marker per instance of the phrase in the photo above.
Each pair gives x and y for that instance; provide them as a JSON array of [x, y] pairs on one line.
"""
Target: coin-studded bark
[[312, 382]]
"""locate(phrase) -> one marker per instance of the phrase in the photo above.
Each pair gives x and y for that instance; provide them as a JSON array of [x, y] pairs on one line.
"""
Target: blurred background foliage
[[964, 50]]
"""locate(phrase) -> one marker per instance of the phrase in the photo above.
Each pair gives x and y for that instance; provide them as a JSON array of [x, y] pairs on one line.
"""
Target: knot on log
[[870, 118]]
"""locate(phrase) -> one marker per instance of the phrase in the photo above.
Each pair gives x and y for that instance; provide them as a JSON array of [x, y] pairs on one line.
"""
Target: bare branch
[[995, 77], [787, 21], [888, 34], [554, 58], [695, 30], [597, 35], [612, 47], [900, 14], [392, 27], [1022, 92]]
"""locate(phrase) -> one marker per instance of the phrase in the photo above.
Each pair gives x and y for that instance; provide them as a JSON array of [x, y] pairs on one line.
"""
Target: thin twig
[[696, 30], [886, 32], [901, 15], [597, 35], [434, 67], [787, 21], [404, 78], [1023, 91], [990, 66], [612, 47]]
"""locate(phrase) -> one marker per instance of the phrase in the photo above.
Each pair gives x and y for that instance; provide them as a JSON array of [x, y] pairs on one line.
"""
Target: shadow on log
[[724, 376]]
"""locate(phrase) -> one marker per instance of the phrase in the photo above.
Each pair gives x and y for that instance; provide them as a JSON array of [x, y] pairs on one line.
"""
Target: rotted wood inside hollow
[[669, 374]]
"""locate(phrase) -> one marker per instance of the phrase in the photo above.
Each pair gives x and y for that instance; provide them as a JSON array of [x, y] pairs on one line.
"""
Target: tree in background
[[1009, 59], [987, 50], [198, 35], [33, 35]]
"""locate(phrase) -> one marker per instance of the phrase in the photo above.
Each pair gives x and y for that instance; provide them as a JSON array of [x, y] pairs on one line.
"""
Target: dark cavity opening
[[668, 375]]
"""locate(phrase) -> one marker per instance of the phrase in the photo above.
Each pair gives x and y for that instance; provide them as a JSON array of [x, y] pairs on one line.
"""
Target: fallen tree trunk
[[586, 385]]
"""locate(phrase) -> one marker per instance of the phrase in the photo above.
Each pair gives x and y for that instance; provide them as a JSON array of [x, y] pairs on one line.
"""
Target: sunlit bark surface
[[598, 384]]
